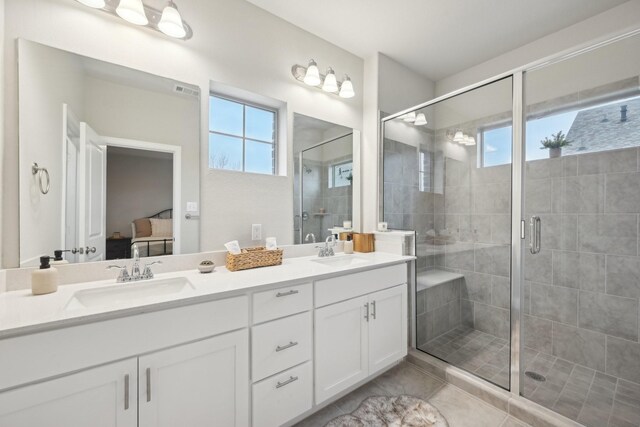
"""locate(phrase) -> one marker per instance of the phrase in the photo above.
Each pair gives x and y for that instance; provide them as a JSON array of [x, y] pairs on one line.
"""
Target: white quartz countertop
[[21, 312]]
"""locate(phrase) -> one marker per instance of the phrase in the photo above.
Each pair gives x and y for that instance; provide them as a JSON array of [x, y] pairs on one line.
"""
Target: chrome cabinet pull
[[373, 311], [126, 392], [148, 384], [535, 234], [284, 383], [366, 312], [285, 294], [284, 347]]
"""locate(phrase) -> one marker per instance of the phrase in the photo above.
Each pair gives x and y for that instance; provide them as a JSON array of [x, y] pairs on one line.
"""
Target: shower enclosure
[[524, 192]]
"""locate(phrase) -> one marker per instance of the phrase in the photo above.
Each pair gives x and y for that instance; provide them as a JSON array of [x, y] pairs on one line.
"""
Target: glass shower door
[[447, 175], [582, 181]]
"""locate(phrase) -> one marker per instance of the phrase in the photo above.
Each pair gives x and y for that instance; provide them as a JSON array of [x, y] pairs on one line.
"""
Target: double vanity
[[263, 347]]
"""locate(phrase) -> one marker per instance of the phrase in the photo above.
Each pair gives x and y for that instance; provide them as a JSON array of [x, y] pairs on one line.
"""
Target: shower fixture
[[307, 169]]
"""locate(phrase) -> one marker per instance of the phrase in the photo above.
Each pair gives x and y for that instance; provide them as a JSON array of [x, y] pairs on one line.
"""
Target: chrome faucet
[[310, 236], [135, 275], [327, 250]]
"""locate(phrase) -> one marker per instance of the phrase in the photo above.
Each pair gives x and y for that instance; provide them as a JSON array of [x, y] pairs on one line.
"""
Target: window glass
[[225, 152], [225, 116], [242, 137], [260, 124], [259, 157]]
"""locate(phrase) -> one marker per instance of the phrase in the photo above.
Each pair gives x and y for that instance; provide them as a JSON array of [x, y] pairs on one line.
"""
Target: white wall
[[617, 20], [1, 118], [49, 78], [137, 187], [389, 87], [235, 43], [400, 88], [125, 112]]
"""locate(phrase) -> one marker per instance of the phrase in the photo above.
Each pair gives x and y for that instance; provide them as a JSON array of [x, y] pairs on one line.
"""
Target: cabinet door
[[205, 383], [341, 346], [98, 397], [388, 339]]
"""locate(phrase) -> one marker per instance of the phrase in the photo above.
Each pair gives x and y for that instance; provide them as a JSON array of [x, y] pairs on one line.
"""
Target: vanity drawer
[[281, 398], [280, 344], [281, 302], [341, 288]]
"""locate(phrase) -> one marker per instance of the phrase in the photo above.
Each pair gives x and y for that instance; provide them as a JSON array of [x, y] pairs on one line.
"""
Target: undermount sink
[[129, 291], [341, 260]]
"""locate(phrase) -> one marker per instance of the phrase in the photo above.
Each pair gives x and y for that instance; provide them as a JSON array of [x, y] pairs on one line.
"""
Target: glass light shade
[[132, 11], [409, 117], [312, 76], [471, 141], [96, 4], [171, 22], [346, 88], [420, 120], [330, 82], [458, 137]]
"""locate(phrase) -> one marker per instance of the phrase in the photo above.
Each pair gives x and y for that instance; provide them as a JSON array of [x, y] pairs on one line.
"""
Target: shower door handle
[[534, 234]]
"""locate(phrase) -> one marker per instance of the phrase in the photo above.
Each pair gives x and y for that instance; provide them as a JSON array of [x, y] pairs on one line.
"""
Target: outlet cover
[[256, 231]]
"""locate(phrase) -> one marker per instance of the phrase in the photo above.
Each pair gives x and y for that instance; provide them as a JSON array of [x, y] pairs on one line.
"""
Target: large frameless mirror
[[104, 151]]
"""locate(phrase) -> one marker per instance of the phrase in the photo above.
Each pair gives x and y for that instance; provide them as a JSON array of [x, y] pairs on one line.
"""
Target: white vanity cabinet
[[181, 366], [98, 397], [358, 337], [198, 384]]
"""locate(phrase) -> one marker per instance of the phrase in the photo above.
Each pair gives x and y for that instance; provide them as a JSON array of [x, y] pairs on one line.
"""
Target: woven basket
[[253, 258]]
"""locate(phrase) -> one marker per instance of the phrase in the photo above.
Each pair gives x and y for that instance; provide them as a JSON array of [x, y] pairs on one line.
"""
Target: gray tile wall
[[438, 310], [583, 289]]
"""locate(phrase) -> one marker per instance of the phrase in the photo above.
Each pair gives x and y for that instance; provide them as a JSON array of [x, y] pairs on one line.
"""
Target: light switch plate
[[256, 231], [192, 206]]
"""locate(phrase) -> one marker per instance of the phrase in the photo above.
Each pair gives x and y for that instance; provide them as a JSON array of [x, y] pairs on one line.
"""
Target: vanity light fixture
[[311, 76], [132, 11], [458, 137], [420, 120], [168, 21], [330, 83], [171, 22], [409, 117], [346, 88]]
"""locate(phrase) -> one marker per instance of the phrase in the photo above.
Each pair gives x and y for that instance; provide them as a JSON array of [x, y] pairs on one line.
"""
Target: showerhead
[[307, 169]]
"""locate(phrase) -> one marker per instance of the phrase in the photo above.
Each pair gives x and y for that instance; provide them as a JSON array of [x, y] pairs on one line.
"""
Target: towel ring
[[37, 170]]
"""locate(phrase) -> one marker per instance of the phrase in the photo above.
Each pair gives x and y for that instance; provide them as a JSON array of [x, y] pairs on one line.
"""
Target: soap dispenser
[[57, 257], [348, 245], [45, 279]]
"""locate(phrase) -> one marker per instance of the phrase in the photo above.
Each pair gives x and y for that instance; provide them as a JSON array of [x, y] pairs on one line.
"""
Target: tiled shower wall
[[475, 215], [582, 289]]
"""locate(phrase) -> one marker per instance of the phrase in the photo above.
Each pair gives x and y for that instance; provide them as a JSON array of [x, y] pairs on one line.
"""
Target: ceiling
[[436, 38]]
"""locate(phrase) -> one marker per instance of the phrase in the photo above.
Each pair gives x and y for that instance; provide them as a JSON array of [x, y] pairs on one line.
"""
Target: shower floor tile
[[592, 398]]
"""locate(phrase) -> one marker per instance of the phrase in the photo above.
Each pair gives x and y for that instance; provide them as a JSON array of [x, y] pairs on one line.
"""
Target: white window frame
[[244, 138]]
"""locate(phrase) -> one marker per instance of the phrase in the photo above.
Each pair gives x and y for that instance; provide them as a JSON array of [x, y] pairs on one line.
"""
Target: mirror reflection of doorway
[[139, 207]]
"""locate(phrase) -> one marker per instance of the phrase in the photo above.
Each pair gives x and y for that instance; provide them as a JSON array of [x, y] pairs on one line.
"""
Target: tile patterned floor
[[592, 398], [460, 409]]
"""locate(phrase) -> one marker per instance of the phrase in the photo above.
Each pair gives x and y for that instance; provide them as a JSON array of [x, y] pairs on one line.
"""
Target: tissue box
[[253, 258]]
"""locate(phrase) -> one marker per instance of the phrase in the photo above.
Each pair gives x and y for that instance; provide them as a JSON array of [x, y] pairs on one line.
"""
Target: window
[[242, 136], [424, 171], [341, 174], [589, 129]]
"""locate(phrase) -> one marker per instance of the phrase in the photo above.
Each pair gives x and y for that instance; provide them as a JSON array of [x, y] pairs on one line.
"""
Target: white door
[[341, 346], [205, 383], [71, 143], [99, 397], [92, 180], [388, 338]]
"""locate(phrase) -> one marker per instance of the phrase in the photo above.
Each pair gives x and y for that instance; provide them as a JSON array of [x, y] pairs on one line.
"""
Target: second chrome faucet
[[135, 275]]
